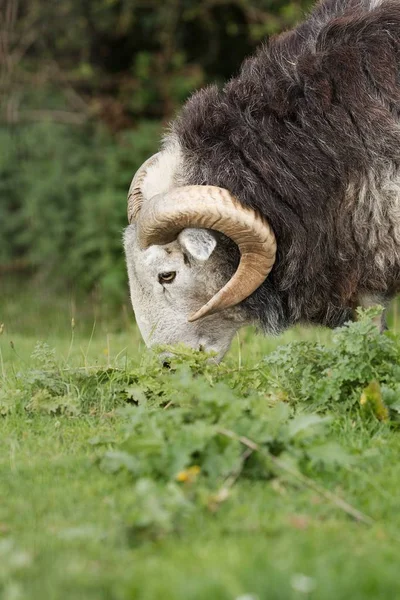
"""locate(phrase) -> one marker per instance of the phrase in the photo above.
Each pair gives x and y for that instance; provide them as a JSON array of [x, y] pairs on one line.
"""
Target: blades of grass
[[12, 346], [85, 354], [239, 351], [108, 351], [1, 354], [72, 340]]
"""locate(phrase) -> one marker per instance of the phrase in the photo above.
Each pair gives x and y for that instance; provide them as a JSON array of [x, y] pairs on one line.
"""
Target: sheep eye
[[167, 277]]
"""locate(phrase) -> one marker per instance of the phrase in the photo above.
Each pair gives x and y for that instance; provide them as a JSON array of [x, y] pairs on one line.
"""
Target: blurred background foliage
[[87, 87]]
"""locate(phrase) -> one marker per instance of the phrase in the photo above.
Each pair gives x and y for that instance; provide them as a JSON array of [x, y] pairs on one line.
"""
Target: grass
[[256, 479]]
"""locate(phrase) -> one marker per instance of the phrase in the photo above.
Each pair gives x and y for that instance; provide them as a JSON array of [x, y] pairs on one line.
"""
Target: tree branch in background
[[16, 266], [56, 116]]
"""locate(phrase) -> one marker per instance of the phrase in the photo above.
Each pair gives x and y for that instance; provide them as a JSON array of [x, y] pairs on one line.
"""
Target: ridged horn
[[135, 196], [164, 216]]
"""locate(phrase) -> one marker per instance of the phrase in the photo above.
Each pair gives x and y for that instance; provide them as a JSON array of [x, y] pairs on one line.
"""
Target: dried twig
[[327, 494], [56, 116], [16, 266]]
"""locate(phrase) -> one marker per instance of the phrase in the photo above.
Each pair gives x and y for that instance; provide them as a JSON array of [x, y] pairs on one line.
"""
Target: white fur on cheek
[[162, 311]]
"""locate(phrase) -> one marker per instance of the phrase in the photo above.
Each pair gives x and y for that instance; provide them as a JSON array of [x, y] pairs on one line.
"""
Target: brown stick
[[327, 494]]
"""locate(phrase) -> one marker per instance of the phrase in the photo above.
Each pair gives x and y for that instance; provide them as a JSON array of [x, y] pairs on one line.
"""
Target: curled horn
[[135, 196], [163, 217]]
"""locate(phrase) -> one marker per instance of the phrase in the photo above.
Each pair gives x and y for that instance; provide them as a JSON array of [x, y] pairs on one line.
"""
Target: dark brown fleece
[[308, 134]]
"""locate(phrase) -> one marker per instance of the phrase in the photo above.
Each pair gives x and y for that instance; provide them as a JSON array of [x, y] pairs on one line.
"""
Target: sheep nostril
[[166, 364], [201, 348]]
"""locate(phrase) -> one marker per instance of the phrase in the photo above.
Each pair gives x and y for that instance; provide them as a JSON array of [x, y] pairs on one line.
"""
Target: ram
[[276, 199]]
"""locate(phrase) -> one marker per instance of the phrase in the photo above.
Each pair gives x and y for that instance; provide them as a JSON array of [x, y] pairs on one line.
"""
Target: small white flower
[[302, 583]]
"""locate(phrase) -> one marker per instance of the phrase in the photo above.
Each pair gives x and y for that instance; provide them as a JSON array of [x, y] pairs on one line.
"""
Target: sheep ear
[[198, 243]]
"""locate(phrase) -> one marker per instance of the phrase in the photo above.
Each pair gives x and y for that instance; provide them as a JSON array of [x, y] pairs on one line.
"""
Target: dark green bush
[[65, 208]]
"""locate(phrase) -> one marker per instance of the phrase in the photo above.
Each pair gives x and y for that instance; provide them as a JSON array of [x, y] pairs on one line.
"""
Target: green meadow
[[273, 475]]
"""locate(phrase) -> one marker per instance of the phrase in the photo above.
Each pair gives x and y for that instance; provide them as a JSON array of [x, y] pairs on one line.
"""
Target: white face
[[169, 283]]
